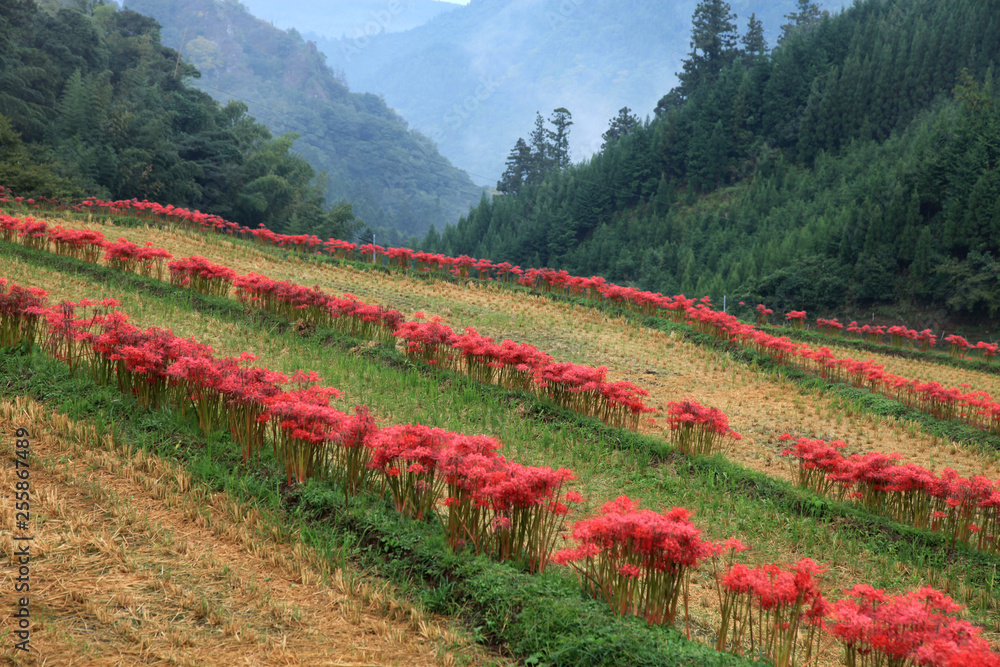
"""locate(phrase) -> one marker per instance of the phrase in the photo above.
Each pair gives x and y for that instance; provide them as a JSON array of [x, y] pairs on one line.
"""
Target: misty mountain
[[353, 20], [473, 78], [393, 175]]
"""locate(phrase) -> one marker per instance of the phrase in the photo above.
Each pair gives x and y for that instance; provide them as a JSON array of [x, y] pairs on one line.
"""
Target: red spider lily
[[9, 226], [82, 244], [988, 350], [247, 392], [363, 320], [399, 257], [907, 493], [898, 335], [69, 332], [958, 346], [372, 249], [283, 298], [428, 341], [637, 560], [917, 627], [20, 309], [202, 276], [341, 249], [783, 599], [127, 256], [479, 355], [797, 318], [975, 408], [507, 272], [830, 326], [352, 453], [201, 380], [695, 429], [305, 428], [407, 456], [926, 340], [33, 233], [763, 314], [510, 511]]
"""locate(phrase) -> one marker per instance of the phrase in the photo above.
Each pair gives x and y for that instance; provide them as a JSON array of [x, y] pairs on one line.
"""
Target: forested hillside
[[473, 78], [92, 104], [394, 177], [855, 164]]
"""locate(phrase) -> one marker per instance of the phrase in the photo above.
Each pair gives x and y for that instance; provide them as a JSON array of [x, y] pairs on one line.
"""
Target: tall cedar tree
[[548, 151], [713, 45], [620, 125], [803, 20], [754, 44]]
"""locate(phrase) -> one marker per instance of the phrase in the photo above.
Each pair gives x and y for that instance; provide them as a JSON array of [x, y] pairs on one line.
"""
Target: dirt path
[[133, 563]]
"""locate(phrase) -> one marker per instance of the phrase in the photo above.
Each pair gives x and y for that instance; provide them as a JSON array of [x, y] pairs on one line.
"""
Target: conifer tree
[[561, 120], [620, 125], [713, 44], [518, 168], [803, 20], [754, 43]]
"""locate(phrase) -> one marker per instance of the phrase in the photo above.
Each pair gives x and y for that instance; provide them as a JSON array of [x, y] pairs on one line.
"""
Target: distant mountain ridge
[[472, 79], [394, 177]]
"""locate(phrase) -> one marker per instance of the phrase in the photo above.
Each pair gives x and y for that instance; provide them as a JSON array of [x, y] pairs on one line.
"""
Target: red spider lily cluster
[[201, 275], [33, 233], [144, 260], [341, 249], [915, 628], [957, 346], [767, 608], [976, 408], [797, 318], [86, 245], [831, 326], [965, 509], [312, 305], [521, 366], [899, 337], [637, 560], [18, 316], [695, 429], [299, 242], [82, 244], [498, 507], [763, 314]]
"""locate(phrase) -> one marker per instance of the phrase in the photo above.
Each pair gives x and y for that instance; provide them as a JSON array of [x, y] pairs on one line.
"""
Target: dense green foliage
[[393, 176], [93, 104], [855, 164]]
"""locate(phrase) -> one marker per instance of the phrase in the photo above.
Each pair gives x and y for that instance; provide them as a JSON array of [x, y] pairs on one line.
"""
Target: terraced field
[[369, 606]]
